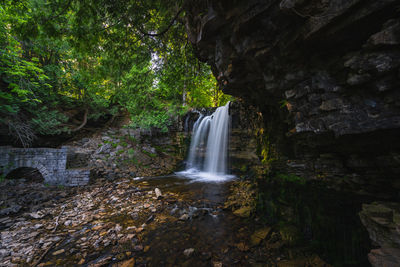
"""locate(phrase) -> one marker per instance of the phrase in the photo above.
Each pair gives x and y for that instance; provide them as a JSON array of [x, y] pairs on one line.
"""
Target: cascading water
[[208, 151]]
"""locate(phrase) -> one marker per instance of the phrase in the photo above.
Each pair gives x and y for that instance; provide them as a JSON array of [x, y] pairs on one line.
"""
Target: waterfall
[[208, 152], [200, 128]]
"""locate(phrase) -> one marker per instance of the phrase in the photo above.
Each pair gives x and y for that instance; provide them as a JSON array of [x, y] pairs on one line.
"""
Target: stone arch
[[27, 173], [42, 169]]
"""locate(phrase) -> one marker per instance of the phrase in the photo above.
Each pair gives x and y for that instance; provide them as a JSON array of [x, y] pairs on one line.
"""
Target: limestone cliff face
[[325, 75]]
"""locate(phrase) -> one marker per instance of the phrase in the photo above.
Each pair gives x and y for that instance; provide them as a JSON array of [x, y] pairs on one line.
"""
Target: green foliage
[[283, 103], [96, 55], [151, 155], [48, 122], [265, 148], [290, 178], [131, 160], [132, 139], [23, 75]]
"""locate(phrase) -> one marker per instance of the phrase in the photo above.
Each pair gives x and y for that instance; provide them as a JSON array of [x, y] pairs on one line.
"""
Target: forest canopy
[[65, 62]]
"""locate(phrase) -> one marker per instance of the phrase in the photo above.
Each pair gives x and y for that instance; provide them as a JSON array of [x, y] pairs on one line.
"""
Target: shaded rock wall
[[244, 145], [325, 75]]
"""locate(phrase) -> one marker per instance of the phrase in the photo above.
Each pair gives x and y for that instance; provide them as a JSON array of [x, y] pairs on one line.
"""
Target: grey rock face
[[10, 210], [296, 48], [382, 221], [324, 75]]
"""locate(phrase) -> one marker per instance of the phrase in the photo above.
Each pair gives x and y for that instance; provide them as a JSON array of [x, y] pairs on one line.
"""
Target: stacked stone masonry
[[50, 162]]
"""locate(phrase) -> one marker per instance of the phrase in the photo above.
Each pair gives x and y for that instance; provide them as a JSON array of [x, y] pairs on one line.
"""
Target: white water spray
[[208, 153]]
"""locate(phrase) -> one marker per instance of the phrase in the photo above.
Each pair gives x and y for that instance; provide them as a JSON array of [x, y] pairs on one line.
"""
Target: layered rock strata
[[325, 76], [382, 220]]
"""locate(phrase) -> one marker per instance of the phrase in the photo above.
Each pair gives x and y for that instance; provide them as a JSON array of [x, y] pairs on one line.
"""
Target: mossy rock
[[259, 235], [290, 178], [290, 234], [243, 212]]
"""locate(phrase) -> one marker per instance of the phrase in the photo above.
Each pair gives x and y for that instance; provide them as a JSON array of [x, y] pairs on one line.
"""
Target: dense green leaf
[[102, 56]]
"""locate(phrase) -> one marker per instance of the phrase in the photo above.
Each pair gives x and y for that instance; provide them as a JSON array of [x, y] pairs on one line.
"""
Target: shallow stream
[[121, 222]]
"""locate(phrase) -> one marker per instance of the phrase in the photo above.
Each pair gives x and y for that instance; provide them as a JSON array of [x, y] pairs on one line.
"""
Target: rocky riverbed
[[77, 225], [165, 221]]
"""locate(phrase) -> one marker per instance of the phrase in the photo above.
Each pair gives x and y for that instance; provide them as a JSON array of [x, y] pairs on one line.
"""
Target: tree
[[67, 59]]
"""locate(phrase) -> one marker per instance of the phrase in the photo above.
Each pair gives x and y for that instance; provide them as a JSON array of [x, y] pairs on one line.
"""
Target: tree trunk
[[83, 122]]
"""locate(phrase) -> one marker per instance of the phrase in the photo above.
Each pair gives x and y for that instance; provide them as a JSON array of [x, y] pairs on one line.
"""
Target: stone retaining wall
[[77, 177], [50, 162]]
